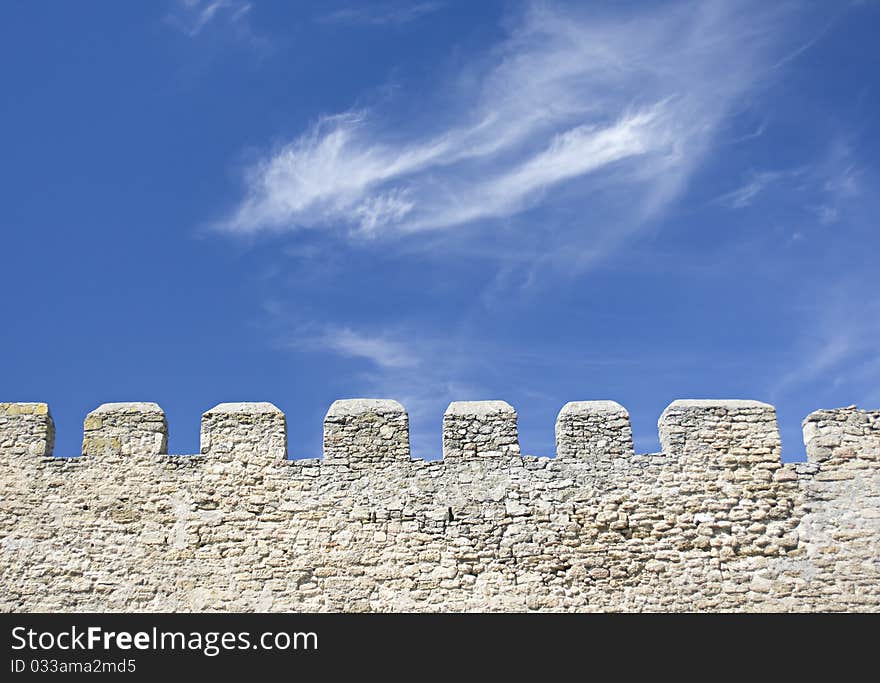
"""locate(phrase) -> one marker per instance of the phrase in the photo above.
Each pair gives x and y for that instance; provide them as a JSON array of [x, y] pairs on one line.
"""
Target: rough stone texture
[[361, 432], [713, 523], [598, 430], [484, 429], [249, 431], [26, 429], [840, 434], [838, 511], [724, 432], [125, 429]]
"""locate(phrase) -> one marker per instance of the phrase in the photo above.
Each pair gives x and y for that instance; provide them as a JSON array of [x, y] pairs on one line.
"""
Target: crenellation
[[721, 433], [125, 429], [479, 429], [363, 432], [597, 430], [26, 429], [249, 432], [714, 522], [844, 433]]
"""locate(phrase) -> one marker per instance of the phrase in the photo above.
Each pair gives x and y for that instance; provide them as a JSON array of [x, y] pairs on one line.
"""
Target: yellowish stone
[[92, 422]]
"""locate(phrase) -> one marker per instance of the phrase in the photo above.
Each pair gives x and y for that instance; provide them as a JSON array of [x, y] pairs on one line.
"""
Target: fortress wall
[[838, 514], [715, 522]]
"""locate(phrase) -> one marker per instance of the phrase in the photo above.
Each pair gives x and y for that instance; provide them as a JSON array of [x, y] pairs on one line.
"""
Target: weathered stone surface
[[710, 431], [244, 430], [597, 430], [479, 429], [847, 432], [715, 522], [125, 429], [26, 429], [364, 431]]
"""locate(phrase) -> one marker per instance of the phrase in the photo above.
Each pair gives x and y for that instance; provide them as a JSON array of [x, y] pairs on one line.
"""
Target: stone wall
[[363, 432], [125, 430], [246, 431], [714, 522], [26, 429], [483, 429], [597, 430]]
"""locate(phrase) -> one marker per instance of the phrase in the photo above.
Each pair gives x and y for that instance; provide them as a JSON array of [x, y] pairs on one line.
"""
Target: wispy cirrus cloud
[[834, 345], [381, 14], [192, 16], [621, 105], [383, 350], [833, 179], [837, 346], [758, 182]]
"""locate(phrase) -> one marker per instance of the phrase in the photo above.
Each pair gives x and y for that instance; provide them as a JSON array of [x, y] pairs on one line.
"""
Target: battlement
[[362, 432], [715, 521]]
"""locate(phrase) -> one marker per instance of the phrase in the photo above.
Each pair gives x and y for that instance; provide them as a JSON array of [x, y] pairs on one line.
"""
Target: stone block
[[125, 429], [728, 432], [26, 429], [593, 430], [245, 430], [841, 434], [479, 429], [366, 431]]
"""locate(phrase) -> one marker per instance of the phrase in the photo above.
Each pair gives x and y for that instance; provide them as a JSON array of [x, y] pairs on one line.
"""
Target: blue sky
[[221, 200]]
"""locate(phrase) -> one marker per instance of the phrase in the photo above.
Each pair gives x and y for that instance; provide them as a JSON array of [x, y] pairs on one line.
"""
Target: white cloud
[[378, 210], [837, 345], [828, 215], [743, 196], [570, 154], [847, 185], [834, 179], [192, 16], [626, 103], [381, 14], [827, 354], [382, 350]]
